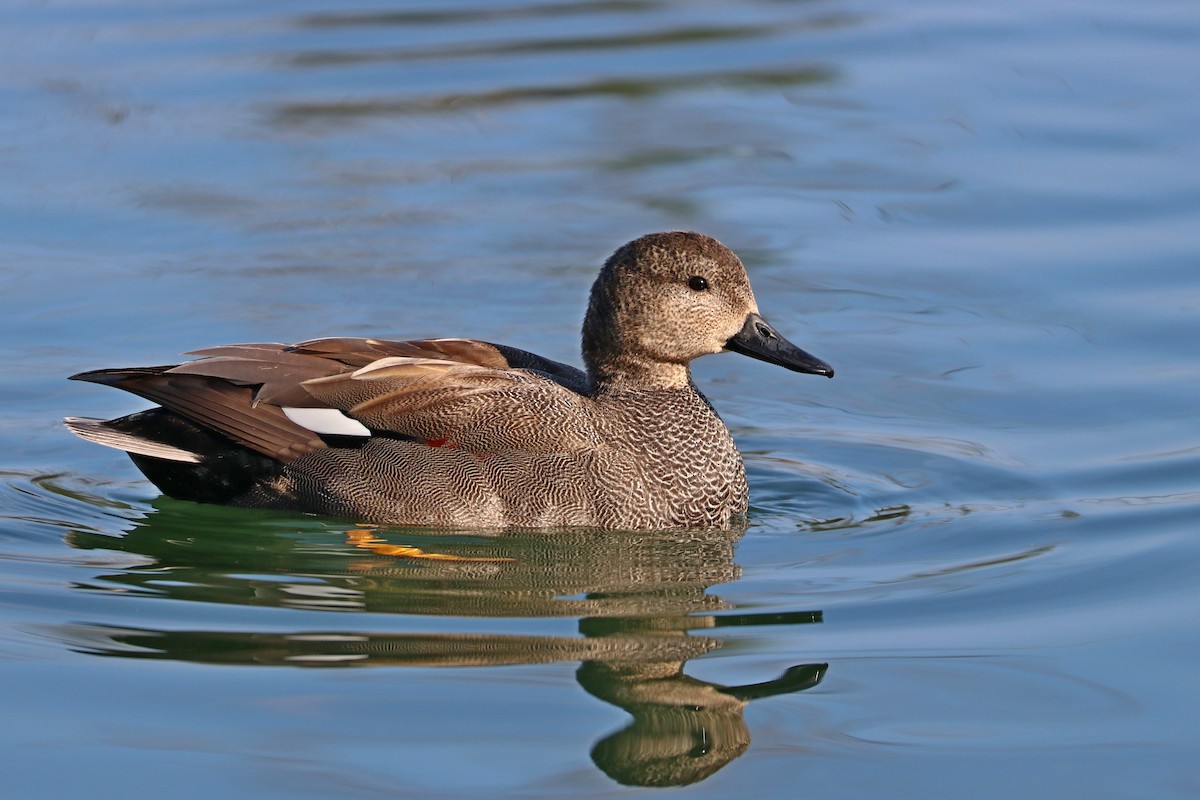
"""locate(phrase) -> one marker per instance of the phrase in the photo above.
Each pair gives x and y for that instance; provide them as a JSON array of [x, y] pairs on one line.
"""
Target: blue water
[[971, 565]]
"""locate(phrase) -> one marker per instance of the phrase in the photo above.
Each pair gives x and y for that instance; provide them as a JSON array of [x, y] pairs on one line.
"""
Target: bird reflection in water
[[641, 600], [683, 729]]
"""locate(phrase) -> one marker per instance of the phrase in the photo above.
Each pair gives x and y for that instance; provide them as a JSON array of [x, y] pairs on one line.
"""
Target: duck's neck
[[615, 359], [629, 374]]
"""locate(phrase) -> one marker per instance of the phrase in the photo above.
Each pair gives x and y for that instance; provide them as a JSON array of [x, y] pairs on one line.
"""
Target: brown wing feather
[[361, 352], [216, 404], [276, 369], [473, 407], [280, 370]]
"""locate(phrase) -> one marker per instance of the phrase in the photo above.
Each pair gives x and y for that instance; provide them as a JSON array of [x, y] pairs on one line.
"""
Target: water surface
[[970, 565]]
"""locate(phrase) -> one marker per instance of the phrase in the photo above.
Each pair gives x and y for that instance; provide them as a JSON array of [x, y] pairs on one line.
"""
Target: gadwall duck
[[469, 434]]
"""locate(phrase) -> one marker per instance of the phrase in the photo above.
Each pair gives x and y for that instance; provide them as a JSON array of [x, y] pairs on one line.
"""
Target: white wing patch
[[329, 421]]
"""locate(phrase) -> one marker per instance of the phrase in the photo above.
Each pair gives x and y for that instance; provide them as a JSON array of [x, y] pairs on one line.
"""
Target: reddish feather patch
[[443, 442]]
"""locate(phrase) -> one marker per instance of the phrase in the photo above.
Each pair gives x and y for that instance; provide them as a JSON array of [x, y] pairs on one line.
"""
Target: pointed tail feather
[[99, 431], [219, 406], [183, 458]]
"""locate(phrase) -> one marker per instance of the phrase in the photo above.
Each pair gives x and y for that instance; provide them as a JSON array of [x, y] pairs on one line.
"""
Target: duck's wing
[[450, 403], [361, 352], [284, 400], [280, 368]]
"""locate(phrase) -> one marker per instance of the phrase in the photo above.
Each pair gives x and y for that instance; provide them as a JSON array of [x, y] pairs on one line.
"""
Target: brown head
[[667, 298]]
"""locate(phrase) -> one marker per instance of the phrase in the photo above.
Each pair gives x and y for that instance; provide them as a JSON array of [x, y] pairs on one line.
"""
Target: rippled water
[[971, 563]]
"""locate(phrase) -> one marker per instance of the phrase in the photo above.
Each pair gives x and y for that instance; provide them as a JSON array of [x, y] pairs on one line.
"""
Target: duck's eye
[[697, 283]]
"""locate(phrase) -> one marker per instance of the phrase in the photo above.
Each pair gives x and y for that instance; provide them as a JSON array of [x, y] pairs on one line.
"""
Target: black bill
[[758, 339]]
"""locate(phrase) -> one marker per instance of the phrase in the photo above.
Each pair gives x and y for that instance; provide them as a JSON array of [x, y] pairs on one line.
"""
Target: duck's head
[[667, 298]]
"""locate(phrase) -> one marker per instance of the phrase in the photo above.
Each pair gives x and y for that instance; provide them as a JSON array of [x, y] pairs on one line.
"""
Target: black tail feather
[[224, 472]]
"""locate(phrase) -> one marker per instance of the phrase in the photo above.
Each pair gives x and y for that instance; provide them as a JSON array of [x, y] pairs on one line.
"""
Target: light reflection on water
[[984, 216]]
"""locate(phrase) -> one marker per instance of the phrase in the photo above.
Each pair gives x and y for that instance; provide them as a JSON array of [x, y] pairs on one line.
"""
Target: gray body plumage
[[658, 459], [468, 434]]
